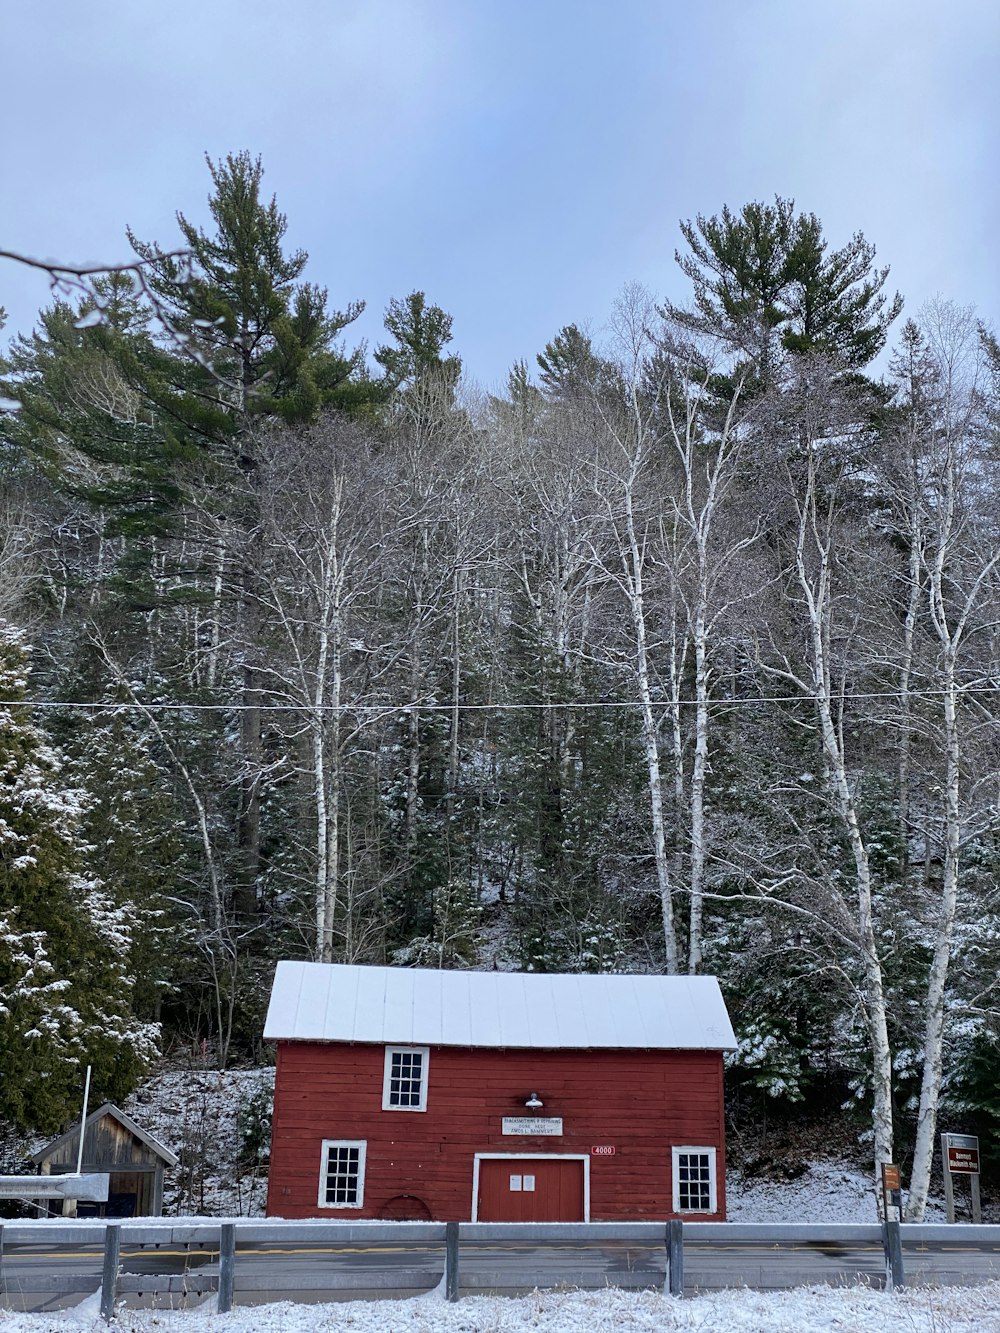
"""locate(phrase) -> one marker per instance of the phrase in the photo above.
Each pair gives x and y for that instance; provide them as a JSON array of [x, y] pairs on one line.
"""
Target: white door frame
[[533, 1156]]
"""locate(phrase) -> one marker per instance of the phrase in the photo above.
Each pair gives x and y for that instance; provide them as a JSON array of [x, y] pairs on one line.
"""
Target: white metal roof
[[418, 1006]]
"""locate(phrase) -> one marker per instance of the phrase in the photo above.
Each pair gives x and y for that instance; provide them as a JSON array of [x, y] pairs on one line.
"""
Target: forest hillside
[[678, 654]]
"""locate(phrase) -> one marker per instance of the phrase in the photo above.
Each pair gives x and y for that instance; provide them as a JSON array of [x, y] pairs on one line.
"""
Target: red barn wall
[[641, 1102]]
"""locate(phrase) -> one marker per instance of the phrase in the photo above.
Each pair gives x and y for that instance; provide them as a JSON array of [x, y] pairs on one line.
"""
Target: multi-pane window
[[342, 1173], [405, 1085], [694, 1180]]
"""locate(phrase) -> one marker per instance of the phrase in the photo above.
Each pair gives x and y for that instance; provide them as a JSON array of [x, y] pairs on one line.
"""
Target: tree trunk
[[633, 561], [815, 531], [248, 828], [699, 770], [930, 1086]]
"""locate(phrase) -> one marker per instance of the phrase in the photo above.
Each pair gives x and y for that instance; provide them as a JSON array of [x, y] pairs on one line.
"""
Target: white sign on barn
[[527, 1124]]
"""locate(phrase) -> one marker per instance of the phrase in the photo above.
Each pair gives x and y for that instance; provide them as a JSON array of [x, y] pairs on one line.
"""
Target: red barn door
[[530, 1189]]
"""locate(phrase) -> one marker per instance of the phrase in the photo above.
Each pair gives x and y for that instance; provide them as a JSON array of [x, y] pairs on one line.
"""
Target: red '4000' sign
[[603, 1150]]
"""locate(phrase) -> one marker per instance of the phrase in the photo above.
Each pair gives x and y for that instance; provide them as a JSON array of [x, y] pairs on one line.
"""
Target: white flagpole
[[83, 1122]]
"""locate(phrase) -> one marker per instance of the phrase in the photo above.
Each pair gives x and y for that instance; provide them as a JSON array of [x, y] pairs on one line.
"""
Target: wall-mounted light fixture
[[533, 1102]]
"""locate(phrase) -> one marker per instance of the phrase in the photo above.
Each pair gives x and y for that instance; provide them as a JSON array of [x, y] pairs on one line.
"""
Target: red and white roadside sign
[[961, 1154], [602, 1150]]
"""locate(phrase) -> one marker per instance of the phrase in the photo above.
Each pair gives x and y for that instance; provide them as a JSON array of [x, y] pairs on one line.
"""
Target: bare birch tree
[[943, 504], [632, 513], [819, 432], [705, 548], [320, 540], [664, 479]]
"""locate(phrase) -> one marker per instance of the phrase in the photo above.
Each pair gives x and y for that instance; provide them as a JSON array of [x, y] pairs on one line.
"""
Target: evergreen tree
[[137, 842], [263, 341], [84, 418], [524, 402], [570, 368], [765, 284], [417, 362], [140, 401], [65, 946]]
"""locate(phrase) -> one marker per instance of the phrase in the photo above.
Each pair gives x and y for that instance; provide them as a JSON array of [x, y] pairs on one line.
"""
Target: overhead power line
[[429, 707]]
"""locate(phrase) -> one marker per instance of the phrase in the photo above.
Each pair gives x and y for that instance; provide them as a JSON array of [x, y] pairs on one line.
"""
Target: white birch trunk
[[326, 734], [215, 632], [706, 471], [333, 803], [815, 533], [930, 1085], [699, 770], [950, 619], [412, 797], [456, 691], [633, 556]]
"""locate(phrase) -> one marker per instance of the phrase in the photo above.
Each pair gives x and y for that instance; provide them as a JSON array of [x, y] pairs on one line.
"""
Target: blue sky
[[519, 162]]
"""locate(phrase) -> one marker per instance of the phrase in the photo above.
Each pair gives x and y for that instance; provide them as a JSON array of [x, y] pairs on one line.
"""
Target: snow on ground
[[808, 1310], [829, 1191], [205, 1117]]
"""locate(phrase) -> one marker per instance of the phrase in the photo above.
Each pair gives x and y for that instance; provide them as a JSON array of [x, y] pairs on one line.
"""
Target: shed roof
[[340, 1002], [109, 1108]]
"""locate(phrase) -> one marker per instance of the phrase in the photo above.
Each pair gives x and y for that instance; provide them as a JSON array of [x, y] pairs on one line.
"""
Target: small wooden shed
[[112, 1142], [499, 1097]]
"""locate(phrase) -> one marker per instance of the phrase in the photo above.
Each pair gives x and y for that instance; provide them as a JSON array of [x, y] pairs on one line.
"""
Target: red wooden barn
[[496, 1096]]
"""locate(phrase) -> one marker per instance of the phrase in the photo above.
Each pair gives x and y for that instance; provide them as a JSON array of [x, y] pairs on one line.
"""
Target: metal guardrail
[[93, 1187], [222, 1240]]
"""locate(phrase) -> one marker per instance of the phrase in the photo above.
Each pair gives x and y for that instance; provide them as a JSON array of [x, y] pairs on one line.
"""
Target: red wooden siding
[[642, 1103]]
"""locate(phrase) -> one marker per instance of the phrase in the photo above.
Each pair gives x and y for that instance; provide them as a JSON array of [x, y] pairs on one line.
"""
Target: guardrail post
[[109, 1278], [227, 1267], [893, 1246], [675, 1257], [451, 1261], [3, 1289]]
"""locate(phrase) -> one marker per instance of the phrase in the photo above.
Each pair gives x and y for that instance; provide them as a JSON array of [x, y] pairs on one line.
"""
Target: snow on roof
[[338, 1002]]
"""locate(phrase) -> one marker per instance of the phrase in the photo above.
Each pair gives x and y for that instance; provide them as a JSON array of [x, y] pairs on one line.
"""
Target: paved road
[[38, 1277]]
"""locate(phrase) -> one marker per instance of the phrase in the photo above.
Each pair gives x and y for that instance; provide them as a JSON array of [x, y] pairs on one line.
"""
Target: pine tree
[[138, 407], [570, 368], [84, 418], [766, 284], [262, 341], [420, 332]]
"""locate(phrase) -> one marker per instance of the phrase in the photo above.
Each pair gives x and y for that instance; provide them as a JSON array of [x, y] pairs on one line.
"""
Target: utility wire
[[420, 707]]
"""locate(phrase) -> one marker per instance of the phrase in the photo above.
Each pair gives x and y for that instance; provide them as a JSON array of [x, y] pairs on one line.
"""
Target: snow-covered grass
[[808, 1310], [829, 1191], [202, 1115]]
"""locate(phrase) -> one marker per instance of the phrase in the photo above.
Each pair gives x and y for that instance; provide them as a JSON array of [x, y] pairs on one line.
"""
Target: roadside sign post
[[892, 1192], [960, 1157]]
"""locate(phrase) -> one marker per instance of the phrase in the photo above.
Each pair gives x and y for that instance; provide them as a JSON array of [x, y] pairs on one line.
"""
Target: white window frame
[[513, 1157], [390, 1051], [324, 1164], [713, 1193]]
